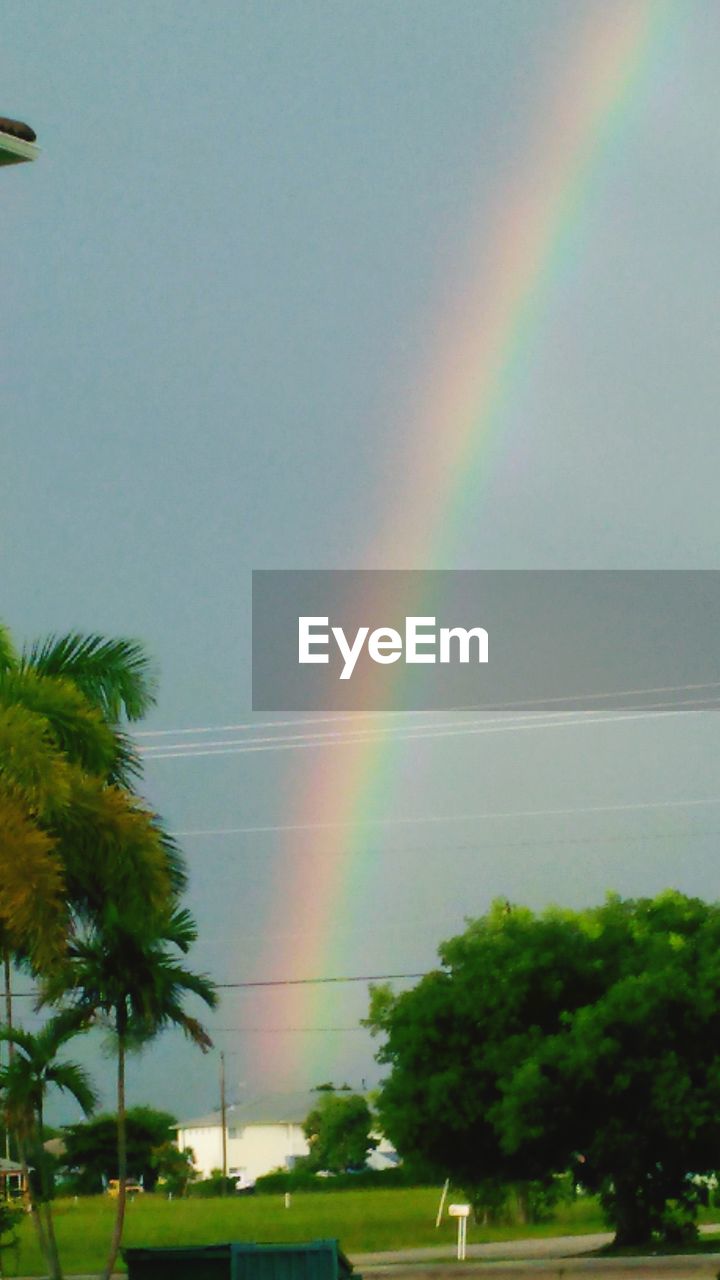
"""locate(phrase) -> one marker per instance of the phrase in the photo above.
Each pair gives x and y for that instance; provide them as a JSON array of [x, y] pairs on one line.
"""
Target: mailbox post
[[462, 1213]]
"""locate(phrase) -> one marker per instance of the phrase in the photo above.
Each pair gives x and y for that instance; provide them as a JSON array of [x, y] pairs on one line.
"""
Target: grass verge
[[364, 1221]]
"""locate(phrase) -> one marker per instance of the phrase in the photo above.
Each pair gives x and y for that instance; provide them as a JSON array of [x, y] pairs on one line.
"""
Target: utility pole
[[223, 1121], [17, 145], [8, 1024]]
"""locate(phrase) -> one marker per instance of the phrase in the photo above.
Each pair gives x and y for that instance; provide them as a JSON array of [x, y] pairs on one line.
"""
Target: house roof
[[56, 1147], [266, 1108]]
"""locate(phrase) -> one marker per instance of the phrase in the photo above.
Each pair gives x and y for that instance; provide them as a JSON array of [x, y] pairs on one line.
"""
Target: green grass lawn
[[364, 1221]]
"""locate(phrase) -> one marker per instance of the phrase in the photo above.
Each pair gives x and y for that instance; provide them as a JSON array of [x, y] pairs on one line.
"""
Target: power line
[[278, 1030], [308, 982], [157, 750], [287, 724], [253, 746], [702, 833], [356, 715], [286, 982], [432, 819]]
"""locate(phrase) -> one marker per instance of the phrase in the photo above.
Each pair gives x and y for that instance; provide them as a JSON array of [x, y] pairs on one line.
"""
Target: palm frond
[[174, 859], [127, 768], [8, 654], [112, 851], [125, 968], [73, 1079], [33, 909], [63, 1026], [200, 984], [77, 726], [24, 1040], [181, 929], [25, 1080], [115, 674], [33, 771]]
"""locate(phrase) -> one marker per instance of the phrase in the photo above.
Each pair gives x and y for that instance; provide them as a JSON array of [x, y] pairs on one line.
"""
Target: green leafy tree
[[91, 1147], [174, 1169], [24, 1082], [587, 1040], [338, 1132], [127, 971]]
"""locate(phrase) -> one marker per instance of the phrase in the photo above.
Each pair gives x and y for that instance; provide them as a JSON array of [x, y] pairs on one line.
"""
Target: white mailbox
[[462, 1213]]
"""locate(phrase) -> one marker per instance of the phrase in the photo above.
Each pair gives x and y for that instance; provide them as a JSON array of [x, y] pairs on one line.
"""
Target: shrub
[[207, 1188], [301, 1179], [677, 1224]]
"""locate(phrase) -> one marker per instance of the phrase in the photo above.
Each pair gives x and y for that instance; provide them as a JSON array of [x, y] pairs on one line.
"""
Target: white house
[[263, 1134]]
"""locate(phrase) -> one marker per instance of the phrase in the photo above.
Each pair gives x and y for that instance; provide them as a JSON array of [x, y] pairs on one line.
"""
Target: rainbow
[[487, 341]]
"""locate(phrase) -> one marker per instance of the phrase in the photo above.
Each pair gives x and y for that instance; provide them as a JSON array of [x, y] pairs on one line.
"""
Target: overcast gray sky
[[221, 291]]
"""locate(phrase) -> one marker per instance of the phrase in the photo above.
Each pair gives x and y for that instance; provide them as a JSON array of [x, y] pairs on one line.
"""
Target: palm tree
[[24, 1082], [128, 972], [84, 854], [72, 833]]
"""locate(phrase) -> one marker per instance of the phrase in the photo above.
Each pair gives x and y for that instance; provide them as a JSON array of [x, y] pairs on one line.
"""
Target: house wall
[[251, 1151], [258, 1149], [206, 1146]]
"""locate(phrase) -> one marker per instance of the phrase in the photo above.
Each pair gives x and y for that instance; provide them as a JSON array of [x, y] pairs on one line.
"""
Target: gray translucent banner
[[554, 640]]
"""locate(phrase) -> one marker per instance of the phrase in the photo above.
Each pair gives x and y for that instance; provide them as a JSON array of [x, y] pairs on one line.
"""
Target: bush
[[498, 1203], [207, 1188], [677, 1224], [10, 1217], [301, 1179], [544, 1197]]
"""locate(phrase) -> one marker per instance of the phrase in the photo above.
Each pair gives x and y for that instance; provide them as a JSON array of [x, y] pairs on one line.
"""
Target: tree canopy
[[567, 1039], [338, 1132], [91, 1147]]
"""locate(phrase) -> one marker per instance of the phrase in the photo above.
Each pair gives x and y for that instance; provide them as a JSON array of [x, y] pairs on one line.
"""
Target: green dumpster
[[201, 1262], [314, 1260], [194, 1262]]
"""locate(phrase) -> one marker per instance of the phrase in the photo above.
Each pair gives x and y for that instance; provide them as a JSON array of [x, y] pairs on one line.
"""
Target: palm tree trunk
[[8, 1023], [122, 1151], [8, 1000], [53, 1255], [34, 1213]]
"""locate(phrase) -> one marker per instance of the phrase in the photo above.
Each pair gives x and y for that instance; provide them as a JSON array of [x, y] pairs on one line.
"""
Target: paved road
[[690, 1267], [569, 1257], [538, 1247]]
